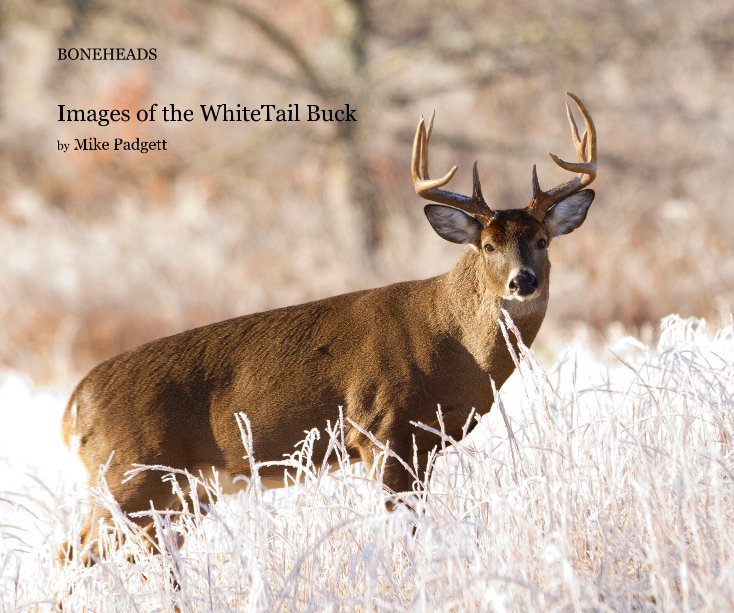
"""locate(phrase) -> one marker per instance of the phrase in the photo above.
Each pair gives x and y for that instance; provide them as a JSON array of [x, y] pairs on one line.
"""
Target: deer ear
[[453, 225], [569, 214]]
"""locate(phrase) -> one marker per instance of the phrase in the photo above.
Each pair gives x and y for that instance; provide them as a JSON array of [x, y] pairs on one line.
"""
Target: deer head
[[512, 243]]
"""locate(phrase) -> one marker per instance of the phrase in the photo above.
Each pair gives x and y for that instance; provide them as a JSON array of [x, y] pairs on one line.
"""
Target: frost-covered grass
[[603, 483]]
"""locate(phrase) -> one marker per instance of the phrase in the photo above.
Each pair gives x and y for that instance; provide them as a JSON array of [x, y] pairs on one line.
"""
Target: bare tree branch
[[285, 43]]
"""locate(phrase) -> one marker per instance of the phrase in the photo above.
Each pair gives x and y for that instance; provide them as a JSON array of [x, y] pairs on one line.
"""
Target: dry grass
[[589, 486]]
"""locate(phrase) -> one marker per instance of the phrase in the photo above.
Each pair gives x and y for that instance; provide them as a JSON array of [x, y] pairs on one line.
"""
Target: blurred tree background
[[103, 251]]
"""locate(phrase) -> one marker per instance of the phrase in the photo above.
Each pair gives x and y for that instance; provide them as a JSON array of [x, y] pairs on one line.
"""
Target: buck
[[388, 356]]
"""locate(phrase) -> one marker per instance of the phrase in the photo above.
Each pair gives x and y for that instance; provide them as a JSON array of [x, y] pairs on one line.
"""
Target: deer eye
[[542, 243], [488, 248]]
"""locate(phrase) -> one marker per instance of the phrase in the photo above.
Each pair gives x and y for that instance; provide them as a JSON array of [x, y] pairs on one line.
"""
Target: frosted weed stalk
[[587, 486]]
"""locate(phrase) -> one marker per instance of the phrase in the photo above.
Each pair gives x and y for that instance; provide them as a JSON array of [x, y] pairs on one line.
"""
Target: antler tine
[[587, 161], [428, 188], [429, 129], [421, 182], [476, 193], [537, 192], [424, 145], [578, 143], [586, 166]]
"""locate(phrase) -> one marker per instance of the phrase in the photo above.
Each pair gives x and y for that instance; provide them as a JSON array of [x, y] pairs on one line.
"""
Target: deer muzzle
[[522, 284]]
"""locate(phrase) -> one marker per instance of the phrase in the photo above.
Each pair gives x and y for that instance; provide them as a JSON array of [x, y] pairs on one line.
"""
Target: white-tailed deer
[[388, 356]]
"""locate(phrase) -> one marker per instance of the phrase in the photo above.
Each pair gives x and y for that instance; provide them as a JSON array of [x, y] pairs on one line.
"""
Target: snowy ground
[[610, 485]]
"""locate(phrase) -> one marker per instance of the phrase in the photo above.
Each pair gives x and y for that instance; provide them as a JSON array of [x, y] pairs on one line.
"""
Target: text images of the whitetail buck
[[388, 356]]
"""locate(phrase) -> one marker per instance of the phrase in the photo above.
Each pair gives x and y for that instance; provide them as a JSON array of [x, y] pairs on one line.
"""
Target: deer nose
[[524, 283]]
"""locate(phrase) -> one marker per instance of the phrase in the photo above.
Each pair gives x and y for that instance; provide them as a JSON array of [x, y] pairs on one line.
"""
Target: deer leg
[[146, 490], [400, 472], [398, 480]]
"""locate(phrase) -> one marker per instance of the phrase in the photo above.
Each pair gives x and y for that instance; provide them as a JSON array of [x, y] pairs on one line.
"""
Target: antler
[[428, 188], [586, 153]]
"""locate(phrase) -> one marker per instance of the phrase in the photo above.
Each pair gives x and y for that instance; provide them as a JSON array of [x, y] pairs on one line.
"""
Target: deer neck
[[476, 312]]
